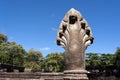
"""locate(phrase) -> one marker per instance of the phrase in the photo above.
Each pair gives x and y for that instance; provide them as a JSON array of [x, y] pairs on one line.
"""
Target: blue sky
[[34, 23]]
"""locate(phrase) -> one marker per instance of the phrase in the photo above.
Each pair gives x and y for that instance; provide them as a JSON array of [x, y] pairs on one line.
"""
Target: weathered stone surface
[[75, 75], [31, 76], [74, 35], [53, 76]]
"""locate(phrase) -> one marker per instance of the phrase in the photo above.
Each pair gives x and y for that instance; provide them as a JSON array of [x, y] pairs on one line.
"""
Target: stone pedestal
[[75, 75]]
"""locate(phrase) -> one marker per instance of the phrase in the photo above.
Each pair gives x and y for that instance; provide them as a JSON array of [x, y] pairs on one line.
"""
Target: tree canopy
[[56, 61], [13, 53], [3, 38], [33, 59]]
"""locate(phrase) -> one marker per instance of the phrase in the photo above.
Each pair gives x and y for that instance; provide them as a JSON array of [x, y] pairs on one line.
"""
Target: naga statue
[[74, 35]]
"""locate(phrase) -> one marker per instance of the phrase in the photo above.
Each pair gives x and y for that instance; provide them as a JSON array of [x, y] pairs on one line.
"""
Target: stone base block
[[75, 75]]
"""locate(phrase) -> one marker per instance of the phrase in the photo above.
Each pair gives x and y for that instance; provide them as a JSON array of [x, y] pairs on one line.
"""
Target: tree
[[107, 59], [13, 53], [3, 38], [93, 59], [96, 59], [117, 57], [117, 62], [3, 57], [55, 61], [10, 52], [33, 59]]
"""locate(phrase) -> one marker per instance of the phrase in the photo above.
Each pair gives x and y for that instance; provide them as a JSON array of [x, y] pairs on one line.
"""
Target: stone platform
[[31, 76], [67, 75], [75, 75]]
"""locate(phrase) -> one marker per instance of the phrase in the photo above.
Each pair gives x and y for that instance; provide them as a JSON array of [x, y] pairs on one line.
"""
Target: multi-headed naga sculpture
[[74, 35]]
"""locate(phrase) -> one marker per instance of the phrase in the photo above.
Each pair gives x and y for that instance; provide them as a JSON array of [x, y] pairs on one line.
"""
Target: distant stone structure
[[74, 35]]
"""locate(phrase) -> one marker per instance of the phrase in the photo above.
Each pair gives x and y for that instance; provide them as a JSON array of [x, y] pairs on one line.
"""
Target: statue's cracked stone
[[74, 35]]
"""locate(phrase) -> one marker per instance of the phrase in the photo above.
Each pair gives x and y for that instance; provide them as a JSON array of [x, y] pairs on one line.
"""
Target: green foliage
[[3, 38], [117, 57], [96, 59], [55, 61], [11, 53], [33, 59], [93, 59], [107, 59], [3, 57], [33, 55], [117, 53]]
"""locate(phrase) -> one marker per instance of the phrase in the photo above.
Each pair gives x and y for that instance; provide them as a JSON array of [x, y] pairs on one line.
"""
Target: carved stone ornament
[[74, 35]]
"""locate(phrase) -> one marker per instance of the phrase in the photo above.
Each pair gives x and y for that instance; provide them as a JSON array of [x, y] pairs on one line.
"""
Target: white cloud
[[54, 29], [45, 49]]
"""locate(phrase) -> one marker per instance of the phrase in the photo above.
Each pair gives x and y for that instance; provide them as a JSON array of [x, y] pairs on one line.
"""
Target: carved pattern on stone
[[74, 35]]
